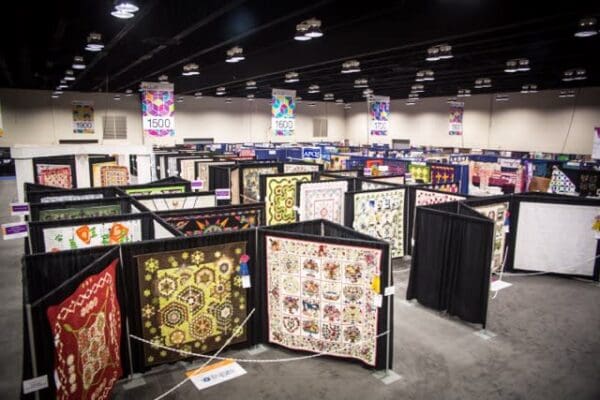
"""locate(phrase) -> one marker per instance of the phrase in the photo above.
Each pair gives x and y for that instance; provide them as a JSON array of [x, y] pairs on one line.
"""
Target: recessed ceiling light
[[251, 85], [228, 100], [221, 91], [523, 65], [198, 95], [180, 99], [250, 97], [117, 97], [311, 104], [235, 54], [122, 14], [587, 27], [63, 84], [361, 83], [511, 66], [347, 106], [314, 89], [502, 97], [418, 88], [55, 95], [129, 93], [58, 91], [350, 67], [191, 69], [291, 77], [339, 101], [163, 78]]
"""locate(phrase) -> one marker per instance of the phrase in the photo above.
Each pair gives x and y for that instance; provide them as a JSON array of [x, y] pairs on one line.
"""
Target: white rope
[[239, 360], [234, 334]]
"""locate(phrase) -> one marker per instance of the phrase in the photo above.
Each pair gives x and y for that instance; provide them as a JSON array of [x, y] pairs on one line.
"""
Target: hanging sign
[[83, 117], [311, 153], [283, 112], [379, 114], [223, 194], [457, 110], [158, 108], [596, 147]]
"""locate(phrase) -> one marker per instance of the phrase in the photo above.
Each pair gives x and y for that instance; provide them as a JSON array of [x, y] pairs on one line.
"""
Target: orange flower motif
[[117, 232], [83, 233]]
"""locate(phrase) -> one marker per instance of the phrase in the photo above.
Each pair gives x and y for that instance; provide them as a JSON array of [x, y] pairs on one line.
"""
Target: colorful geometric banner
[[379, 114], [83, 117], [158, 108], [457, 110], [283, 112]]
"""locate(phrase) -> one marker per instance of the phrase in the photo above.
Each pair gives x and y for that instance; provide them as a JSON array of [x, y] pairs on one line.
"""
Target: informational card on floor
[[211, 375]]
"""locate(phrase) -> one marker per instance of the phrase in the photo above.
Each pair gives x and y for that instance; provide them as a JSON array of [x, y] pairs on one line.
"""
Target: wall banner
[[379, 114], [283, 112], [158, 109], [457, 110], [83, 117], [596, 146]]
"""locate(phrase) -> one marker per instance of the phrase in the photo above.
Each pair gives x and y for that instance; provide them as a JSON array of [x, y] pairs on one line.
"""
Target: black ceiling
[[390, 39]]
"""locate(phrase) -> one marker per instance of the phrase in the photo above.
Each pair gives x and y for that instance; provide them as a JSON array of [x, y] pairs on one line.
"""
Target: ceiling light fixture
[[502, 97], [311, 104], [439, 52], [464, 93], [191, 69], [235, 54], [523, 65], [511, 66], [250, 97], [314, 89], [198, 95], [451, 100], [418, 88], [367, 93], [251, 85], [129, 93], [425, 75], [180, 99], [228, 100], [350, 67], [163, 78], [339, 102], [587, 27], [298, 99], [580, 74], [55, 95], [122, 14], [411, 102], [69, 75], [63, 84], [117, 97], [445, 52], [567, 93], [361, 83], [58, 91], [347, 106], [124, 9], [328, 97], [78, 63], [221, 91], [291, 77], [483, 83], [575, 74], [314, 30], [301, 32], [94, 42]]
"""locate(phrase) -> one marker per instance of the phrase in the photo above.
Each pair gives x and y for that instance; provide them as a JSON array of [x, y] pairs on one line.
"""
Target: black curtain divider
[[56, 160], [47, 280], [124, 202], [37, 196], [168, 180], [36, 229], [450, 267], [97, 159], [319, 233], [549, 198], [219, 177], [172, 181], [131, 250], [35, 187], [198, 157]]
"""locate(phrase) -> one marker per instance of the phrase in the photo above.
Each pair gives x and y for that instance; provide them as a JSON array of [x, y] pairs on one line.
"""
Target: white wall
[[33, 117], [532, 122]]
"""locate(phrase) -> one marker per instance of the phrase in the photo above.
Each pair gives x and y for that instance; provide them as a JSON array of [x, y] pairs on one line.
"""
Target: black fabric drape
[[106, 192], [451, 260]]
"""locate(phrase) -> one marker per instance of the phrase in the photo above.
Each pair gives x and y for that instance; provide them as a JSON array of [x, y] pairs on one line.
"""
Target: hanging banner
[[83, 117], [379, 112], [457, 110], [283, 112], [596, 147], [158, 109]]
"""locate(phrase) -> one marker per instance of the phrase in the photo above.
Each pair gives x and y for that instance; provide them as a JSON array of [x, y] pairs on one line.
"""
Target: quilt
[[114, 175], [381, 215], [96, 171], [55, 175], [87, 339], [288, 168], [397, 180], [338, 174], [62, 214], [425, 198], [448, 188], [155, 190], [320, 297], [373, 185], [420, 172], [216, 221], [498, 214], [70, 197], [179, 203], [442, 174], [89, 235], [280, 198], [191, 299], [560, 182], [251, 182], [322, 200]]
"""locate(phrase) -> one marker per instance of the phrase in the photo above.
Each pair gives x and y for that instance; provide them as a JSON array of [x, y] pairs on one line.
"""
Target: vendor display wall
[[279, 193], [322, 200]]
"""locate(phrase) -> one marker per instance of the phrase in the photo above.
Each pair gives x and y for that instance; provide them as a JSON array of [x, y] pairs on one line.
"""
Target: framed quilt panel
[[251, 182], [79, 212], [497, 213], [215, 221], [280, 198], [87, 338], [70, 197], [420, 172], [322, 200], [55, 175], [372, 185], [426, 198], [442, 175], [155, 190], [381, 215], [97, 172], [114, 175], [397, 180], [288, 168], [179, 203], [320, 298], [89, 235], [191, 299]]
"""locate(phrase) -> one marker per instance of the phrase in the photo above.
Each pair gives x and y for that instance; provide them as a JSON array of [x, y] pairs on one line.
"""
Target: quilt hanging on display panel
[[425, 198], [178, 203], [381, 215], [114, 175], [216, 221], [191, 299], [89, 235], [442, 174], [251, 182], [55, 175], [323, 200], [497, 213], [320, 297], [280, 198], [288, 168], [87, 338], [420, 172], [79, 212]]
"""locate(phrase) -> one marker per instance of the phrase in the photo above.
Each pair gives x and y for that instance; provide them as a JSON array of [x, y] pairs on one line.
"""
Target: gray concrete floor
[[547, 347]]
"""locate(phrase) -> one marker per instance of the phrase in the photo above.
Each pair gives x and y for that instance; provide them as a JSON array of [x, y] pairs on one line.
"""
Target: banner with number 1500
[[158, 109], [283, 112]]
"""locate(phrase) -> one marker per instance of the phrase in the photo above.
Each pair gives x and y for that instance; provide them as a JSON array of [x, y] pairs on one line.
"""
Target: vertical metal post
[[389, 300], [127, 331], [34, 370]]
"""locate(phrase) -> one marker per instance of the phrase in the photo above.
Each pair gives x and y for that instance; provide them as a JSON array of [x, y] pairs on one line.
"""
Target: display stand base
[[407, 303], [485, 334], [258, 349], [387, 376], [136, 380]]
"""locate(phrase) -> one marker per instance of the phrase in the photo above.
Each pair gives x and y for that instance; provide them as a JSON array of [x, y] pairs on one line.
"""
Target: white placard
[[389, 291], [379, 125], [283, 124], [158, 123], [19, 209], [14, 230], [35, 384], [596, 146], [220, 372]]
